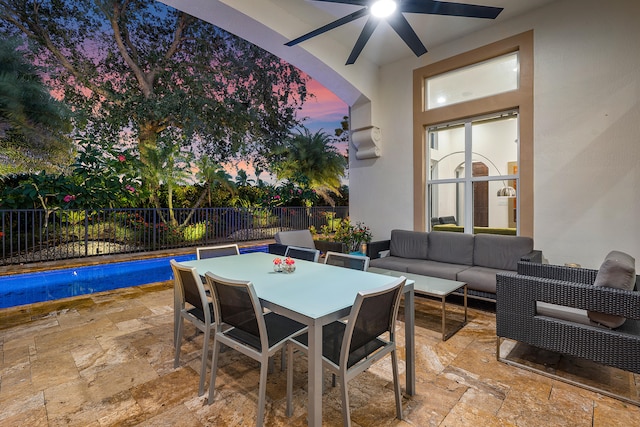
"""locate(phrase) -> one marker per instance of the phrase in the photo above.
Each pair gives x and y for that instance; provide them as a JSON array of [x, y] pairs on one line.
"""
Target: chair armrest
[[557, 272], [277, 249], [374, 248], [515, 290], [533, 256]]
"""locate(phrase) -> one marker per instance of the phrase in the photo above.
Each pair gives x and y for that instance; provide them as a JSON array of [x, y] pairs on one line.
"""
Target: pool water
[[28, 288]]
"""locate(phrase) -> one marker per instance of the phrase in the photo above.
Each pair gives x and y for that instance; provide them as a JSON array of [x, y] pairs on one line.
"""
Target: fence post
[[86, 232]]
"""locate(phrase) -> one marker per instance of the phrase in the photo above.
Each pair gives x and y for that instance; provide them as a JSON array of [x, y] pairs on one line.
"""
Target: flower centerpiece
[[289, 265], [277, 265]]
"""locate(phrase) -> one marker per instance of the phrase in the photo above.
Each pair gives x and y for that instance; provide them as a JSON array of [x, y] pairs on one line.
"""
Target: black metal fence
[[31, 235]]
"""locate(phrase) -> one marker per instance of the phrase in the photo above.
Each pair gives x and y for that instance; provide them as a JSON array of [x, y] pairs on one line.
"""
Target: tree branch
[[145, 85]]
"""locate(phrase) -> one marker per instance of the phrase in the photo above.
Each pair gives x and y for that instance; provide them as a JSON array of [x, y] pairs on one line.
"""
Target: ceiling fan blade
[[353, 2], [451, 9], [371, 25], [338, 22], [400, 24]]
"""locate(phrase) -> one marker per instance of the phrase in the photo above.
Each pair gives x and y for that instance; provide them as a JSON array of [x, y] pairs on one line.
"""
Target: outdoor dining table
[[315, 295]]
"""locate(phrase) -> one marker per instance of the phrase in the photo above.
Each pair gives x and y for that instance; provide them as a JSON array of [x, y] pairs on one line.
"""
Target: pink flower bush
[[68, 198], [121, 158], [130, 188]]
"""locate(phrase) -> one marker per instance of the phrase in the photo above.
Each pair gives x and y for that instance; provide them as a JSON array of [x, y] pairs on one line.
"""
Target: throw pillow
[[617, 271]]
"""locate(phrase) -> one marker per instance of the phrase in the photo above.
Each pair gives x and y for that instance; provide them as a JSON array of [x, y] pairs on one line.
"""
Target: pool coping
[[35, 267]]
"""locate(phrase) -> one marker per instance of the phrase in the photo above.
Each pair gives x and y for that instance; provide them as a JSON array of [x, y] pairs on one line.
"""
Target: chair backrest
[[298, 238], [303, 253], [235, 303], [191, 288], [217, 251], [373, 313], [355, 262]]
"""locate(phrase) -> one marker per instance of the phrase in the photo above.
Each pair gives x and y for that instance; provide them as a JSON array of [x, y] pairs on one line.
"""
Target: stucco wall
[[587, 132]]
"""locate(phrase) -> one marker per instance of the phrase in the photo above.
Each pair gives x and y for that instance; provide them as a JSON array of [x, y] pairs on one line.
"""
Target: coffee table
[[433, 287]]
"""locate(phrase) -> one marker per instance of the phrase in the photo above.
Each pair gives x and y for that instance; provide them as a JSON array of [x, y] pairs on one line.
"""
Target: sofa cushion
[[394, 263], [570, 314], [453, 248], [409, 244], [617, 271], [501, 252], [299, 238], [480, 278], [443, 270]]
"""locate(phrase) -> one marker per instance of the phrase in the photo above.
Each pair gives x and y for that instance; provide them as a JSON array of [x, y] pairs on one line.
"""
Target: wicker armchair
[[517, 317]]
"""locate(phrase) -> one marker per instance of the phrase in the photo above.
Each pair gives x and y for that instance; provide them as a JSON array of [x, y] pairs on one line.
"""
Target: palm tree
[[312, 162], [242, 179], [167, 165], [212, 174]]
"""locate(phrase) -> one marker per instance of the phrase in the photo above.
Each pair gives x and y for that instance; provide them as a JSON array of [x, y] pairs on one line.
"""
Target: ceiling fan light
[[383, 8]]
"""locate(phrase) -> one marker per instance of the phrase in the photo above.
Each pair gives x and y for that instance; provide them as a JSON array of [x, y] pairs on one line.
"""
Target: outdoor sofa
[[473, 259], [585, 313]]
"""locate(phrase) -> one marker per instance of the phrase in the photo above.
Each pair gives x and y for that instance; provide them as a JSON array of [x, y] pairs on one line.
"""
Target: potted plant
[[347, 237]]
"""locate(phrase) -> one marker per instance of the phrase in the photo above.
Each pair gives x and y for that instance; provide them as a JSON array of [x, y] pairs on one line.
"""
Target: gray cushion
[[394, 263], [454, 248], [501, 252], [299, 238], [617, 271], [436, 269], [409, 244], [480, 278]]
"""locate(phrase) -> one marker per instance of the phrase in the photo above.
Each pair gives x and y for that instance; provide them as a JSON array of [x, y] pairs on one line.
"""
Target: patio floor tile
[[107, 359]]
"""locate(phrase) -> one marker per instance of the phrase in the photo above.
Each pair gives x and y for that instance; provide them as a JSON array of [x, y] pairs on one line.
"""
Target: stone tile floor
[[107, 359]]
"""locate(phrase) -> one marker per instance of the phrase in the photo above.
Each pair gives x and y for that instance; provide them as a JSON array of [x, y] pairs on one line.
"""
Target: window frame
[[520, 99]]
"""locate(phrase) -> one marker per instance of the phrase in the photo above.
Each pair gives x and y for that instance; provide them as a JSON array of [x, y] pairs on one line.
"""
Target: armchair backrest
[[373, 313], [303, 253], [236, 304], [191, 287], [355, 262], [217, 251], [299, 238]]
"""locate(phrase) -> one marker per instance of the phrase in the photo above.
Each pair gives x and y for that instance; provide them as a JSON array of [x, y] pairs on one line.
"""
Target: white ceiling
[[385, 45]]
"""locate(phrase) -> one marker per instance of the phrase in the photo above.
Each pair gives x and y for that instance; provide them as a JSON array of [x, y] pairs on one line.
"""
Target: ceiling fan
[[392, 11]]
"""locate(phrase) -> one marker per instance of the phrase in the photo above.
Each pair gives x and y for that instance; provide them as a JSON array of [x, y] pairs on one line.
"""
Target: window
[[472, 177], [474, 145], [491, 77]]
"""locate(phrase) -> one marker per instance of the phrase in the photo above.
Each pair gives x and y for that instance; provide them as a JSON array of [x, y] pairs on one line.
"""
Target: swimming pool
[[28, 288]]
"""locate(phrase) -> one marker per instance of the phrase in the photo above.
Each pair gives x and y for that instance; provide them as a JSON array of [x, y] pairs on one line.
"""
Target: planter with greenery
[[346, 238]]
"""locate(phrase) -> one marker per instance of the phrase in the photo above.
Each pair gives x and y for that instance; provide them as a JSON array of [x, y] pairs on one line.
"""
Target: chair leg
[[346, 414], [289, 380], [178, 338], [262, 392], [283, 359], [176, 318], [214, 369], [203, 367], [396, 383]]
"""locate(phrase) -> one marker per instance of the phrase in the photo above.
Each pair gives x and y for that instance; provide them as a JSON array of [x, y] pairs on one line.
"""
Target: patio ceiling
[[271, 23]]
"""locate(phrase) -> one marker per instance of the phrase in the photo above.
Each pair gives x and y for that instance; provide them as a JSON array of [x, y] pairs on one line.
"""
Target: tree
[[138, 68], [33, 125], [311, 162], [166, 165], [242, 179], [213, 175]]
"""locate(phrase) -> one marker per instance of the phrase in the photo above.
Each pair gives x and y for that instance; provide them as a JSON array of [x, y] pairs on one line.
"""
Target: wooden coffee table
[[433, 287]]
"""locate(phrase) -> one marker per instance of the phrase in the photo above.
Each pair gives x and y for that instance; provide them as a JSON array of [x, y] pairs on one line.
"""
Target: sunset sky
[[325, 111], [322, 112]]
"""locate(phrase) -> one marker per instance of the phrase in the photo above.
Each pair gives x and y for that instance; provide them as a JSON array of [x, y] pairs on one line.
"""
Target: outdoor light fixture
[[383, 8]]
